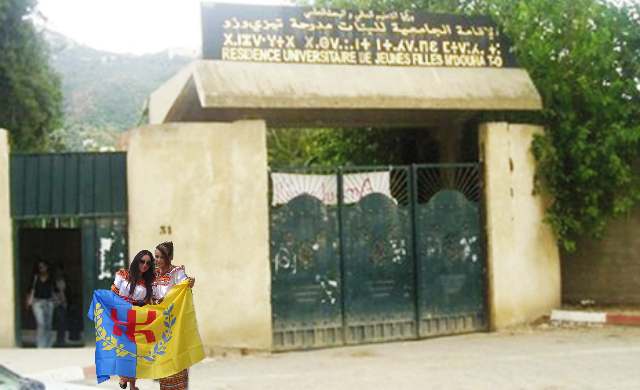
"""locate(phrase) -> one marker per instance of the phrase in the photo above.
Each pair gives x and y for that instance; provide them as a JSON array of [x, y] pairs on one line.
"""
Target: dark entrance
[[376, 254], [61, 249]]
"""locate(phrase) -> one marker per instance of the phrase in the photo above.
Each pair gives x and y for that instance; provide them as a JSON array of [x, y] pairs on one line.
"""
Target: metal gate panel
[[68, 185], [305, 274], [378, 262], [89, 189], [105, 251], [110, 250], [450, 253], [89, 249]]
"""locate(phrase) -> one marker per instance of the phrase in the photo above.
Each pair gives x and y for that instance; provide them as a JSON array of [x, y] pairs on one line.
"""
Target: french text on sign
[[283, 34]]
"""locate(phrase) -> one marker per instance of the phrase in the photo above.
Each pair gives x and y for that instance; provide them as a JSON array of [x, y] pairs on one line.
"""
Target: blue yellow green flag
[[148, 342]]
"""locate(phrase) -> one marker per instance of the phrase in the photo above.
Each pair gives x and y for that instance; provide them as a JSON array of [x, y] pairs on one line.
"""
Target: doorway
[[61, 249]]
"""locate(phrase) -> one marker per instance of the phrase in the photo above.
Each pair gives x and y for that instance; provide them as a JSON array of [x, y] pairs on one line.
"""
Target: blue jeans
[[61, 324], [43, 311]]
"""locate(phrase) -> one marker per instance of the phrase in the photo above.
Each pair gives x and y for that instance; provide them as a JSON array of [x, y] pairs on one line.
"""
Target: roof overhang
[[319, 95]]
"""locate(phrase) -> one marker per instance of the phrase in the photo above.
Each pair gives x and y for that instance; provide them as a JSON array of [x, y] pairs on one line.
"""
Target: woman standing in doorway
[[167, 276], [134, 286], [40, 299]]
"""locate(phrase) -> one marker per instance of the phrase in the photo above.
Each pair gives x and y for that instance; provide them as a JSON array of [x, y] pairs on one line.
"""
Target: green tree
[[81, 137], [584, 58], [290, 147], [358, 146], [30, 92]]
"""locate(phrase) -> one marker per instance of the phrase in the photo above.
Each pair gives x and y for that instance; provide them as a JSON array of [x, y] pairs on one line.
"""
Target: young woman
[[167, 276], [134, 286], [40, 299]]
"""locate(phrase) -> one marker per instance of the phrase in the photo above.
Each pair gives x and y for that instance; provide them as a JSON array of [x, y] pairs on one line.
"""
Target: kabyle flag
[[148, 342]]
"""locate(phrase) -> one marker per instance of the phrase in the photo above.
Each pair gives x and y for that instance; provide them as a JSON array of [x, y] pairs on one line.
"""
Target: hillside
[[105, 90]]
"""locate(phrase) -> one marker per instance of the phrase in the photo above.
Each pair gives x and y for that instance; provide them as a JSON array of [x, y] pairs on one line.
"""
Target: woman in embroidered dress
[[134, 286], [168, 276]]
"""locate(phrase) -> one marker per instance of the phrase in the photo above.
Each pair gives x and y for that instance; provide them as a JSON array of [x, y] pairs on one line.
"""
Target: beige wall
[[7, 302], [606, 271], [523, 258], [209, 183]]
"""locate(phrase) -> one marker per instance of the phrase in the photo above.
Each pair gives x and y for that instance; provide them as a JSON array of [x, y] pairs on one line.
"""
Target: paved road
[[552, 359], [529, 359]]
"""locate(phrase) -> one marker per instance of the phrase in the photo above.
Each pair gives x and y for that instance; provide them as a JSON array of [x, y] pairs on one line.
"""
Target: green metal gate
[[73, 191], [306, 275], [377, 237], [374, 254], [450, 250]]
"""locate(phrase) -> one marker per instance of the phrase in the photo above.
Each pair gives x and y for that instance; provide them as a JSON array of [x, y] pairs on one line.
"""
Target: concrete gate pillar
[[523, 257], [204, 187], [7, 277]]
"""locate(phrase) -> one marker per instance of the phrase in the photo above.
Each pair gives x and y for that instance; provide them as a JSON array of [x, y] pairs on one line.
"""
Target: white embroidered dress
[[121, 287], [165, 281]]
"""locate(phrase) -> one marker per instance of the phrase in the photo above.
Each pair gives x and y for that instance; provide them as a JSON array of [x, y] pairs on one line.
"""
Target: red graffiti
[[355, 193], [131, 324]]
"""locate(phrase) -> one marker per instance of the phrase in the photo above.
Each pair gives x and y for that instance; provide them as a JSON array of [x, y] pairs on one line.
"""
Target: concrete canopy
[[321, 95]]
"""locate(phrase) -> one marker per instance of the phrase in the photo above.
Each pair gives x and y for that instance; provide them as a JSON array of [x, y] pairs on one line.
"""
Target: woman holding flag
[[134, 286], [166, 277], [136, 340]]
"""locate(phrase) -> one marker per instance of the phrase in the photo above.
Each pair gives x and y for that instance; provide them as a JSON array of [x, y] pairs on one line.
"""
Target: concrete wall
[[523, 257], [606, 271], [8, 301], [208, 182]]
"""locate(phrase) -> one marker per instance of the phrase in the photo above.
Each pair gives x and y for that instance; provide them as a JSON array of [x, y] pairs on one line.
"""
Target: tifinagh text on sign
[[281, 34]]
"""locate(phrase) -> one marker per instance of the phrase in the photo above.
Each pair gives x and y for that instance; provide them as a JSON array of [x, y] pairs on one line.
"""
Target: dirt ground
[[543, 357]]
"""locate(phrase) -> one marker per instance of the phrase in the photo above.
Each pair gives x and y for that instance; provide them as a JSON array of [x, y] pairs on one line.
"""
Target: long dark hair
[[134, 272]]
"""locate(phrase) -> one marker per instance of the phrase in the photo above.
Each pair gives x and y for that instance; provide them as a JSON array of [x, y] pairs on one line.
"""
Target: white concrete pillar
[[523, 257], [7, 277], [204, 187]]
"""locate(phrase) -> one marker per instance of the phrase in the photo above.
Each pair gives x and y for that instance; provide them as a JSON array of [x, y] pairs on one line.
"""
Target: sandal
[[123, 385]]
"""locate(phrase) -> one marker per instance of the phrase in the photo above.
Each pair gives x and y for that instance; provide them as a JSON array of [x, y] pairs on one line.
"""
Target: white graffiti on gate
[[399, 250], [105, 271], [329, 288], [436, 247], [286, 260]]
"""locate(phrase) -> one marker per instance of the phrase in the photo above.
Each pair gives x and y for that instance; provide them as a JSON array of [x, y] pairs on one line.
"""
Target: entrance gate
[[65, 200], [374, 254]]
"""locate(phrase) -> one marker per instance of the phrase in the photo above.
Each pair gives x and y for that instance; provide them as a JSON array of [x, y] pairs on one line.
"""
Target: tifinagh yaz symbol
[[131, 324]]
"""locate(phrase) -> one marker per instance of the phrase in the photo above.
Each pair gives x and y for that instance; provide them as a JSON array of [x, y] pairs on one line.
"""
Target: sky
[[134, 26], [130, 26]]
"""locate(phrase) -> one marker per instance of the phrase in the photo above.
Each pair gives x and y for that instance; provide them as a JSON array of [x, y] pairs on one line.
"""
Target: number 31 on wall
[[165, 229]]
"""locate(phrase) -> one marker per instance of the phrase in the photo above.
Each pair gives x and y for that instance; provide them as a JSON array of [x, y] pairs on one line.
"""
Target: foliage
[[584, 58], [353, 146], [105, 90], [30, 98], [290, 147], [78, 137]]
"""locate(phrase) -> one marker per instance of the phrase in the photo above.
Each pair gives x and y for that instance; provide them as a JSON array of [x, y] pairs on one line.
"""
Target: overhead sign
[[233, 32]]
